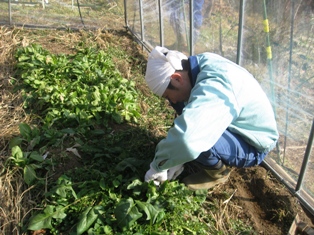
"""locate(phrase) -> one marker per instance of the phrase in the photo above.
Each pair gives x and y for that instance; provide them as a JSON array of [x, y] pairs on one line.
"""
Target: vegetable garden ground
[[251, 195]]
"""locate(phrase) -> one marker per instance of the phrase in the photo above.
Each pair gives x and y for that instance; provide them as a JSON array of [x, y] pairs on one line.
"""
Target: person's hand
[[157, 177], [174, 172]]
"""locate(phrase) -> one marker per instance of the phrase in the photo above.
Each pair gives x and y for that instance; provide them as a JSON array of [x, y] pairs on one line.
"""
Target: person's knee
[[208, 159]]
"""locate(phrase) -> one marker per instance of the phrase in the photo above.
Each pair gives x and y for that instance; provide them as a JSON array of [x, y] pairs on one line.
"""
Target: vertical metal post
[[141, 20], [10, 15], [306, 158], [191, 27], [161, 23], [126, 14], [240, 32], [289, 79]]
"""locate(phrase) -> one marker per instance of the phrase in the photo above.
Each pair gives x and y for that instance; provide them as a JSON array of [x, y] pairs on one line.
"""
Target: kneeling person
[[224, 117]]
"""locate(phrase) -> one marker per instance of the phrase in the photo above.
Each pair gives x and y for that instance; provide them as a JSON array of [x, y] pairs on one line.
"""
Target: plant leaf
[[42, 220], [29, 174], [86, 219], [64, 186], [152, 212], [25, 131], [17, 153], [36, 156], [15, 142], [127, 213], [59, 213], [128, 163]]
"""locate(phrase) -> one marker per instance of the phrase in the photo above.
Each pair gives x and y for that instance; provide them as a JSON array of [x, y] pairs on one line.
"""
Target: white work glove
[[174, 172], [160, 177]]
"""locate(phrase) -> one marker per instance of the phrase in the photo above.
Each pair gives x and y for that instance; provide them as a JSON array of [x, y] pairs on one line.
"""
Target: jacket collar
[[194, 69]]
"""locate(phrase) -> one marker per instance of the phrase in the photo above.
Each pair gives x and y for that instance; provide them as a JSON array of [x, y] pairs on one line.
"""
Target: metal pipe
[[126, 14], [240, 32], [10, 15], [144, 45], [161, 23], [307, 206], [288, 186], [141, 19], [278, 176], [306, 158], [191, 27]]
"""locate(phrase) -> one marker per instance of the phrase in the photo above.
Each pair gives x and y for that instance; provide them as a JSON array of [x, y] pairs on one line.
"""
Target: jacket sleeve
[[210, 110]]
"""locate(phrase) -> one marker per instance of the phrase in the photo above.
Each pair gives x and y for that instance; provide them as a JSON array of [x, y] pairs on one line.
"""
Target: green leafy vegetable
[[73, 89]]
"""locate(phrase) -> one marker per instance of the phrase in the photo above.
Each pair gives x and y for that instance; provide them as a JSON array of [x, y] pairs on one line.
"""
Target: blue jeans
[[177, 19], [232, 150]]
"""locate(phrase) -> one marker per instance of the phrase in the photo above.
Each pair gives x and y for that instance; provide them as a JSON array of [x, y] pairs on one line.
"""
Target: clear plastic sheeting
[[143, 20], [272, 39], [62, 13], [168, 23], [278, 48]]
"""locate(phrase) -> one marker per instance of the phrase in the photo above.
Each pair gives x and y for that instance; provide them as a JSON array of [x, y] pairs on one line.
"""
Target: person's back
[[249, 105]]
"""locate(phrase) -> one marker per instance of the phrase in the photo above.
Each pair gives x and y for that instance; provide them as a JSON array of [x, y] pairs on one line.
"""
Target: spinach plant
[[70, 90], [29, 160]]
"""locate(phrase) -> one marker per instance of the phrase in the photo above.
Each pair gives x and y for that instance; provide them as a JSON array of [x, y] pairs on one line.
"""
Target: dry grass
[[11, 111], [12, 192], [15, 202]]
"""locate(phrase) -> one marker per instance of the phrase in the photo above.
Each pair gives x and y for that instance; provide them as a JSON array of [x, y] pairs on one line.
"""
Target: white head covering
[[160, 67]]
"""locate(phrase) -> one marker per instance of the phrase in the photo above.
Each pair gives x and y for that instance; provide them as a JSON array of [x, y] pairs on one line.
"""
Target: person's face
[[182, 88]]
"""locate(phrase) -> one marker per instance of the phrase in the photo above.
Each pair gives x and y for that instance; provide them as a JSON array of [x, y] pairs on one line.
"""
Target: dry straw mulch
[[11, 111], [12, 192]]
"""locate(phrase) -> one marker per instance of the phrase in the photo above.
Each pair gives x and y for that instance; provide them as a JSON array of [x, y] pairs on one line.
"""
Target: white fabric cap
[[160, 67]]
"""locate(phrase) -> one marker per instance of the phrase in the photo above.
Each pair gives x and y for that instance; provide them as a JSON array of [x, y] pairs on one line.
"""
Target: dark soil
[[263, 200]]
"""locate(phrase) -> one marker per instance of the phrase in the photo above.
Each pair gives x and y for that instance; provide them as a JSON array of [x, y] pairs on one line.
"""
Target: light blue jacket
[[225, 96]]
